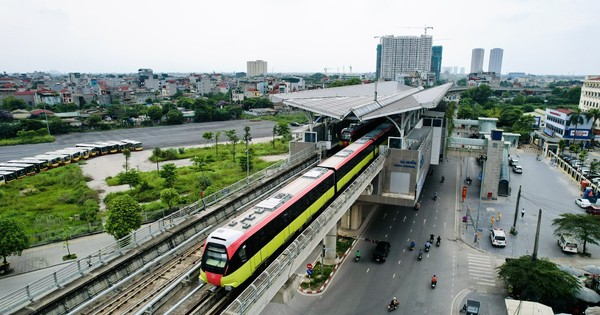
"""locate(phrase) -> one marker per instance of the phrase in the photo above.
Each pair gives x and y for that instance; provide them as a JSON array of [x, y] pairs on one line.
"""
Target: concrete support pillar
[[353, 218], [330, 245]]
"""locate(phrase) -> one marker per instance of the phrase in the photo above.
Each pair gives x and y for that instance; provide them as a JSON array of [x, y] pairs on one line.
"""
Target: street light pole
[[484, 158]]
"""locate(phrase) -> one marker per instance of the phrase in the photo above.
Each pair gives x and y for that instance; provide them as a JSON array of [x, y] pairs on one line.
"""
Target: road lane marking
[[368, 270]]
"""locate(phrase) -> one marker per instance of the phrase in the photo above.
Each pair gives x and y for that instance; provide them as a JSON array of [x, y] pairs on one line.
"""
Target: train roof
[[261, 213]]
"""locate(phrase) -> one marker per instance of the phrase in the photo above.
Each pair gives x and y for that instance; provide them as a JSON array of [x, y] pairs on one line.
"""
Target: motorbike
[[412, 245], [437, 243], [418, 205], [433, 284], [356, 258], [427, 248], [431, 237], [435, 197], [392, 306], [443, 178], [420, 255]]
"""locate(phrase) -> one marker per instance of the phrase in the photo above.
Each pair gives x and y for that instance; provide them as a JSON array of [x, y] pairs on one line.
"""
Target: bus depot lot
[[544, 187]]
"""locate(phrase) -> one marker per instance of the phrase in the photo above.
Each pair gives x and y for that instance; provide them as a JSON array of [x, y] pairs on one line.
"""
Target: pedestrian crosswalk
[[481, 269]]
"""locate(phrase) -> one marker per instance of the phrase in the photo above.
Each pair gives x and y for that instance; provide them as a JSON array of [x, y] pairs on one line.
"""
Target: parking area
[[543, 186]]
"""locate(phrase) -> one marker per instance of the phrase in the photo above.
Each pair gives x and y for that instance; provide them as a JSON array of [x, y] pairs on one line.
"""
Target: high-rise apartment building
[[404, 54], [496, 60], [436, 61], [256, 68], [477, 60], [590, 93]]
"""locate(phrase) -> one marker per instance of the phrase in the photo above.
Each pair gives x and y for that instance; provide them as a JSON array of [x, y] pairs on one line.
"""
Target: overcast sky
[[538, 36]]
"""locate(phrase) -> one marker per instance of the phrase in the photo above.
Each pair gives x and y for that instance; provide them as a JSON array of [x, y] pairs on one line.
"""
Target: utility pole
[[537, 236], [513, 229]]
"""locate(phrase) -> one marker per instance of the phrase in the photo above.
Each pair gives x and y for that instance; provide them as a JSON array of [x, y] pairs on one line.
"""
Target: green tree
[[561, 145], [583, 226], [594, 114], [155, 113], [283, 130], [124, 215], [537, 280], [204, 182], [233, 138], [208, 136], [200, 162], [169, 174], [12, 239], [217, 136], [246, 162], [127, 154], [131, 178], [169, 196], [578, 117], [11, 103], [174, 117], [94, 120], [574, 95]]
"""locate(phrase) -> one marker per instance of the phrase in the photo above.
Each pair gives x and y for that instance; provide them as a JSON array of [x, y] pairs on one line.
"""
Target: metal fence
[[48, 284]]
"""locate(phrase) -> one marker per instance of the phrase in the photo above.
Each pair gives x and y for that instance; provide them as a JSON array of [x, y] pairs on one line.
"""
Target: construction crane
[[423, 27]]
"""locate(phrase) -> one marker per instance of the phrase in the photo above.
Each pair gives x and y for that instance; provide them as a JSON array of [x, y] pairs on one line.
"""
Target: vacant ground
[[110, 165]]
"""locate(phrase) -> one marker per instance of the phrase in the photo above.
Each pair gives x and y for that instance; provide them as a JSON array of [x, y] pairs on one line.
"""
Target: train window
[[216, 255], [242, 254]]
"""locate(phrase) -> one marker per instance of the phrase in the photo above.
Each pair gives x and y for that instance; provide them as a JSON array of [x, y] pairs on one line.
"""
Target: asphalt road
[[163, 137], [544, 187], [367, 287]]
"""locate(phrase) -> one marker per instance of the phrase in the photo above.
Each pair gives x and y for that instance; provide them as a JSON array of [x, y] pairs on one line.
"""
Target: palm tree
[[594, 113], [578, 117]]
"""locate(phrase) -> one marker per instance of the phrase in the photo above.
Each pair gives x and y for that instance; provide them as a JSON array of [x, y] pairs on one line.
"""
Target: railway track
[[134, 297]]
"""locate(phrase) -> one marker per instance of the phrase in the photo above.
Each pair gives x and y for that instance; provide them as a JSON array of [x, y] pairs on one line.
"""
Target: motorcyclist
[[412, 244], [439, 239], [420, 253], [435, 196], [357, 254], [431, 238], [394, 302], [434, 279], [427, 244], [443, 178]]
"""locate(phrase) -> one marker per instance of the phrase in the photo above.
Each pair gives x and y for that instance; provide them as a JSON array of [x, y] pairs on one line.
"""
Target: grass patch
[[48, 204], [318, 278], [28, 140], [343, 243]]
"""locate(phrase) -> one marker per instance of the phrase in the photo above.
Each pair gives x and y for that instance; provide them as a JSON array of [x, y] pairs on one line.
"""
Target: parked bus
[[135, 145], [7, 177], [84, 152], [19, 171], [112, 148], [121, 145], [74, 154], [59, 158], [27, 168], [66, 157], [36, 167], [42, 165], [53, 161], [93, 149]]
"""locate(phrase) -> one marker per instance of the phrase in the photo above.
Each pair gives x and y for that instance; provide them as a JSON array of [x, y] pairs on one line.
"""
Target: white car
[[583, 203], [517, 169], [498, 237]]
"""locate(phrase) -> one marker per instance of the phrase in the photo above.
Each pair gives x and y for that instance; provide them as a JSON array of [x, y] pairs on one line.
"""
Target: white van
[[567, 243]]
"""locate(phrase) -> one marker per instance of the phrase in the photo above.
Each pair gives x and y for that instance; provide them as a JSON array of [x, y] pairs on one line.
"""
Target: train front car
[[234, 252]]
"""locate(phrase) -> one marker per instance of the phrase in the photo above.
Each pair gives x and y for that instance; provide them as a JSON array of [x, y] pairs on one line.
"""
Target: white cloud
[[292, 36]]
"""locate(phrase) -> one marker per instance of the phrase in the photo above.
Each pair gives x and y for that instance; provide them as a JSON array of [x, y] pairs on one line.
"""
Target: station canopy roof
[[359, 100]]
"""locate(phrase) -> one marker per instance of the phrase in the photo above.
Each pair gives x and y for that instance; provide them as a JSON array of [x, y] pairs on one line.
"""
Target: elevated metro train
[[234, 252]]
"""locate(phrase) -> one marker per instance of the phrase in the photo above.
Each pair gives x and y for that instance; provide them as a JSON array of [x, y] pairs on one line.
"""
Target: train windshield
[[346, 134], [215, 256]]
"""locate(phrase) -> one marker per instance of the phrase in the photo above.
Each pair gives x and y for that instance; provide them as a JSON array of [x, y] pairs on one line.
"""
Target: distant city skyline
[[537, 36]]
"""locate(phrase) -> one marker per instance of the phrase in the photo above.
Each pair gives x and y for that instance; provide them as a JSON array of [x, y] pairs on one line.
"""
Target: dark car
[[593, 209], [381, 251]]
